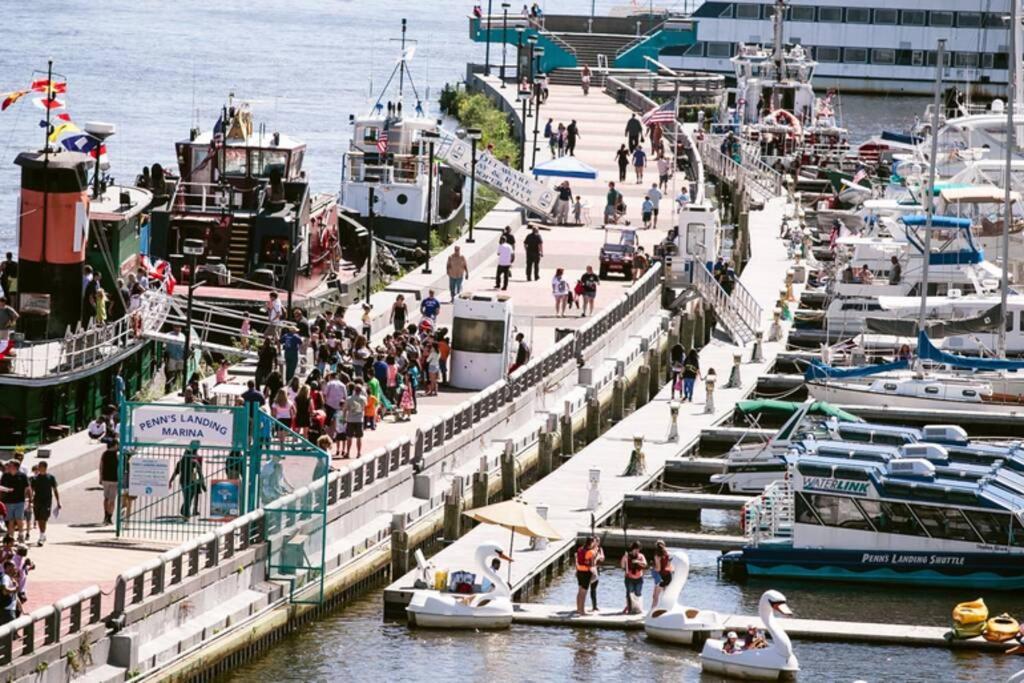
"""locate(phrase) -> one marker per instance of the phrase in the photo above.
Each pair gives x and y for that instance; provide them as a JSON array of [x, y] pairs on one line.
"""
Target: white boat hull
[[452, 621], [680, 636], [840, 394], [757, 665]]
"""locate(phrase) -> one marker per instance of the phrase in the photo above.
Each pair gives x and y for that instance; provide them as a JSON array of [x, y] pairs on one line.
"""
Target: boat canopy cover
[[762, 405], [919, 221], [565, 167], [902, 138], [819, 370], [927, 351], [986, 321]]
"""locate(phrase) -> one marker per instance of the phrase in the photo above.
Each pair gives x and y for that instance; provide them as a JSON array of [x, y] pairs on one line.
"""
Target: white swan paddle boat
[[490, 610], [673, 622], [768, 663]]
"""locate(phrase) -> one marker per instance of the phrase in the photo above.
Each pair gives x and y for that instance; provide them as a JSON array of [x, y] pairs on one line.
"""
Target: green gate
[[186, 469]]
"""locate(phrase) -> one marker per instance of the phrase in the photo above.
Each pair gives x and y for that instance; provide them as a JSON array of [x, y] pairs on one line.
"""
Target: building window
[[946, 61], [968, 19], [995, 20], [727, 12], [966, 60], [886, 16], [719, 50], [912, 17], [943, 19], [917, 58], [883, 56], [695, 50], [986, 63], [830, 14], [858, 15], [748, 11], [801, 13], [827, 54], [855, 54]]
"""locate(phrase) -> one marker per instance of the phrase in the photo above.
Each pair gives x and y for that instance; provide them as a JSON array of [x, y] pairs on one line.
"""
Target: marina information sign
[[149, 476], [182, 425], [517, 186]]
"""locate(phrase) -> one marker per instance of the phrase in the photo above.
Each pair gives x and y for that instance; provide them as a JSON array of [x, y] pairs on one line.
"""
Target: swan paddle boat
[[490, 610], [673, 622], [769, 663]]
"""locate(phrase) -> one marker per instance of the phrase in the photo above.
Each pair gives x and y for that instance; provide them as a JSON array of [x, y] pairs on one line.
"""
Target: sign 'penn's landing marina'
[[179, 425], [517, 186]]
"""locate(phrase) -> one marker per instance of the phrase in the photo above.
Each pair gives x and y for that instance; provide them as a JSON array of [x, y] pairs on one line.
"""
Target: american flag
[[666, 113], [860, 175], [382, 141]]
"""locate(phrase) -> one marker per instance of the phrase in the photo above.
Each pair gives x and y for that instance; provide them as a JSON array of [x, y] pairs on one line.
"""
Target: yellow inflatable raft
[[969, 619], [1000, 629]]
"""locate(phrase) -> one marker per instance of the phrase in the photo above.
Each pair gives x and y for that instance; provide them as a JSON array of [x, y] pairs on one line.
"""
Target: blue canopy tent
[[565, 167]]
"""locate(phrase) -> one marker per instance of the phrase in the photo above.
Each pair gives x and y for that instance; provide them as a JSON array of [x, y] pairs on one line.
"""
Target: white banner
[[519, 187], [149, 476], [182, 425]]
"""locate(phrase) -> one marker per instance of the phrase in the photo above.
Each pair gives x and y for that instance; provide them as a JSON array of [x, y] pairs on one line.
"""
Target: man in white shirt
[[655, 196], [664, 172], [505, 258], [275, 313], [334, 395]]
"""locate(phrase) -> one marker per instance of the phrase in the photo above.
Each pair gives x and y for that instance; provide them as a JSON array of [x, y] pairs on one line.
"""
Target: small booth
[[481, 339]]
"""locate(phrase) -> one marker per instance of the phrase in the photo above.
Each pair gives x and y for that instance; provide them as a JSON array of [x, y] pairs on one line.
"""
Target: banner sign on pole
[[182, 425]]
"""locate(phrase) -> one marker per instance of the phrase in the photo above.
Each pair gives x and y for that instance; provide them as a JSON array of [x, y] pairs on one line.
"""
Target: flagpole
[[46, 154]]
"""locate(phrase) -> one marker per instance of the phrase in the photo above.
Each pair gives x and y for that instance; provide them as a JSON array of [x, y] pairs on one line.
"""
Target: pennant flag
[[80, 143], [43, 85], [12, 97], [51, 104], [62, 130], [64, 116]]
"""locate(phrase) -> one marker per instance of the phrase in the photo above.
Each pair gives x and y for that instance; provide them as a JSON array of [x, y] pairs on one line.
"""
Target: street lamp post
[[192, 248], [539, 51], [474, 136], [430, 136], [487, 51], [504, 40], [532, 40], [524, 99], [371, 198], [519, 54]]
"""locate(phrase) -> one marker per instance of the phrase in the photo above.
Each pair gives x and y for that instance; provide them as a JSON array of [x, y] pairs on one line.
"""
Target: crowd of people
[[562, 138], [589, 560]]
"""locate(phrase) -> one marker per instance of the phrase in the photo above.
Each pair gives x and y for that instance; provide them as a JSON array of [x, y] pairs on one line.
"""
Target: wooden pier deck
[[533, 614]]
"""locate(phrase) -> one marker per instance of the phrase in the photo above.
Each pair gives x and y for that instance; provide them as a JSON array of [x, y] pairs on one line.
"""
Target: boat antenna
[[1011, 144], [401, 71], [929, 194]]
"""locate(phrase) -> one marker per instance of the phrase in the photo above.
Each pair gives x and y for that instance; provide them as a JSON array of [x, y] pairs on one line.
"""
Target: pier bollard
[[593, 419], [568, 447], [673, 429], [481, 484], [508, 472], [775, 332], [734, 376], [643, 383], [686, 322], [537, 542], [453, 511], [594, 490], [399, 547], [618, 399], [790, 274], [709, 387], [655, 380], [547, 453], [758, 355]]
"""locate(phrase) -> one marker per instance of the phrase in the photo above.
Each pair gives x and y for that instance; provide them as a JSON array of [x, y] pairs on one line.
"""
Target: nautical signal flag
[[12, 97], [48, 103], [63, 129], [44, 85]]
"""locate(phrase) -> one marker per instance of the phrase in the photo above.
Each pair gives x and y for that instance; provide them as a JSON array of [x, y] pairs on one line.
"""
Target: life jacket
[[633, 569], [584, 559]]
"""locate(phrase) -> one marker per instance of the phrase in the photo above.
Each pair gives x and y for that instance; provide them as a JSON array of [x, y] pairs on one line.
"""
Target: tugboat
[[242, 191], [389, 156], [58, 369]]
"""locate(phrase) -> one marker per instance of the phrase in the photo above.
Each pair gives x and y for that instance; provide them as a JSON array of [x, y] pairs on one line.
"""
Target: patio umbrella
[[515, 515], [565, 167]]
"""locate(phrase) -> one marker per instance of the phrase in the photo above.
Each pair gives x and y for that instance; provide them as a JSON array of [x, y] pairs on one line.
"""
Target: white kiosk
[[699, 240], [481, 338]]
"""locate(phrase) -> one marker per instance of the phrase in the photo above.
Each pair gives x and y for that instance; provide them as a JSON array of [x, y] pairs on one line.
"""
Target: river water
[[157, 68]]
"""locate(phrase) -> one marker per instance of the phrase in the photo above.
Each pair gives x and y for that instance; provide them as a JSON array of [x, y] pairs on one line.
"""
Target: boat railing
[[770, 515], [738, 312], [750, 174], [359, 169], [217, 198], [86, 347]]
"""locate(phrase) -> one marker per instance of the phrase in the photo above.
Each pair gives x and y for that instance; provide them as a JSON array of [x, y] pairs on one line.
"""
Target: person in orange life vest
[[633, 563], [585, 556]]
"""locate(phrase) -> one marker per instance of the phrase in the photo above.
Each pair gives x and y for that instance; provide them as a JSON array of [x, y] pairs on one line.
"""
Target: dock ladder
[[738, 312]]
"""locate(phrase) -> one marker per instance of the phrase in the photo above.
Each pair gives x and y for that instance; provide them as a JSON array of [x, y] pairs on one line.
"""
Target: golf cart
[[617, 252]]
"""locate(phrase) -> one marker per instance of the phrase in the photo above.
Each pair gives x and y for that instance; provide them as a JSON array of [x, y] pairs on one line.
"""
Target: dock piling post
[[481, 482], [618, 399], [686, 322], [643, 384], [655, 380], [593, 418], [568, 448], [399, 546], [734, 376], [698, 328], [508, 471], [546, 464], [453, 511]]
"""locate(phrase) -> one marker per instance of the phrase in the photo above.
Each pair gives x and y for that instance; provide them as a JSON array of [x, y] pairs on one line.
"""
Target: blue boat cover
[[927, 351], [819, 370], [901, 137], [921, 220]]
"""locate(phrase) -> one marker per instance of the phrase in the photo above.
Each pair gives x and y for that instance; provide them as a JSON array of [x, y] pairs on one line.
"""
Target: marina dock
[[671, 502]]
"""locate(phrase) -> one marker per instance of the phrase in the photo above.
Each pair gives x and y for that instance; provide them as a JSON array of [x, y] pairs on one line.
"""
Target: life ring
[[785, 118]]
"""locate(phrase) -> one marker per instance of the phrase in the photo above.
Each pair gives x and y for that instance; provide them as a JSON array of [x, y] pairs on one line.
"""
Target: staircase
[[738, 313], [770, 515], [238, 248], [589, 45]]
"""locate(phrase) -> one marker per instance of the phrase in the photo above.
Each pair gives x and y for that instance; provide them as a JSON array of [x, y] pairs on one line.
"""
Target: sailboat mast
[[1011, 145], [930, 194], [401, 66]]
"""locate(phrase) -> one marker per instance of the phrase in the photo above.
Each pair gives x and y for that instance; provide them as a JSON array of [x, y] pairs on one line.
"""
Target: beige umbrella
[[517, 516]]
